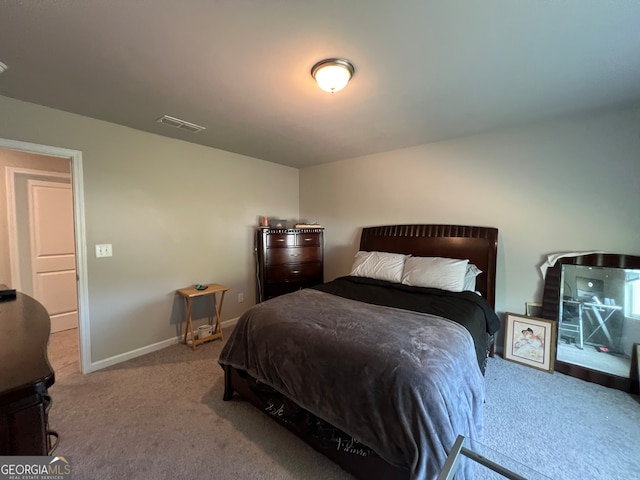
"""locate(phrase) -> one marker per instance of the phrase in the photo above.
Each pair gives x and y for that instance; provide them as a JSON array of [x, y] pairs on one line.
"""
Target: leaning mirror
[[596, 302]]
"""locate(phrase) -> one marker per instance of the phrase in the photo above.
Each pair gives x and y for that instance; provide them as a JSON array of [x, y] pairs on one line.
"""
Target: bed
[[379, 374]]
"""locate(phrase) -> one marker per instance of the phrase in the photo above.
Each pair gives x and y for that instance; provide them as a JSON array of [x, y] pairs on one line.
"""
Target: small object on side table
[[189, 293]]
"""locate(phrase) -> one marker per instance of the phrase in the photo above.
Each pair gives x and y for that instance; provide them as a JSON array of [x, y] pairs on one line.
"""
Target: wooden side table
[[189, 293]]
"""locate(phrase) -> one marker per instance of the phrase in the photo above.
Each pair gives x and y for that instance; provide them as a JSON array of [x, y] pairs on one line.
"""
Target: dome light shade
[[332, 74]]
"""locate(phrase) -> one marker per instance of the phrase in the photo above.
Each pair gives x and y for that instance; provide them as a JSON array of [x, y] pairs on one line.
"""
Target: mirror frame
[[551, 309]]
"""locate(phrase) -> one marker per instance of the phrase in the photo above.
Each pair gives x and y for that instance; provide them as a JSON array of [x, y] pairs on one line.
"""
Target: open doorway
[[42, 246], [44, 256]]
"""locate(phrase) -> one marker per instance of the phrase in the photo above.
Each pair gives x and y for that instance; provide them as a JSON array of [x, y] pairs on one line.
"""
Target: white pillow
[[379, 265], [435, 272], [470, 277]]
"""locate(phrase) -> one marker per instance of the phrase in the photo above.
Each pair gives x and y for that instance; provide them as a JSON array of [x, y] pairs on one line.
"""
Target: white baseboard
[[229, 323], [123, 357]]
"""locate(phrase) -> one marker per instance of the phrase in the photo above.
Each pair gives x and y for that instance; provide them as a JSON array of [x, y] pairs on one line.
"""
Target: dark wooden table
[[25, 376]]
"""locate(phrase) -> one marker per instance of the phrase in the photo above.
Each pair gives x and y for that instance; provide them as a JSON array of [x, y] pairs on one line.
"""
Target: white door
[[53, 260]]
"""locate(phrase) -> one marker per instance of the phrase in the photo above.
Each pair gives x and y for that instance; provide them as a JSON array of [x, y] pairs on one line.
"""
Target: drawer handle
[[295, 271], [295, 254], [308, 239], [279, 239]]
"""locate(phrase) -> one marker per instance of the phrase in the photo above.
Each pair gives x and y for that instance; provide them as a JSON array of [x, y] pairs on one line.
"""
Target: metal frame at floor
[[453, 460]]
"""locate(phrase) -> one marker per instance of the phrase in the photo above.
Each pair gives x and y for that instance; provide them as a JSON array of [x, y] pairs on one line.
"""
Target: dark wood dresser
[[288, 260], [25, 376]]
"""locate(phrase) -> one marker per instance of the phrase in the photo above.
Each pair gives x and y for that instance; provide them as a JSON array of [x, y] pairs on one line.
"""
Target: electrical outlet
[[241, 297], [104, 250]]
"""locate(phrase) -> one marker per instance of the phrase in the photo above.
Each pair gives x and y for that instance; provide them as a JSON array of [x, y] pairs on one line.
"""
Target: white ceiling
[[426, 70]]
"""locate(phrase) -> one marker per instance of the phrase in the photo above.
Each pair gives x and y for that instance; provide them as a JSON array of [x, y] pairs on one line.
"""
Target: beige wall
[[556, 186], [176, 214]]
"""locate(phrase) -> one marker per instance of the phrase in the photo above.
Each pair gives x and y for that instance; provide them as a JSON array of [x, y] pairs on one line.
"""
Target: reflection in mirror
[[598, 317]]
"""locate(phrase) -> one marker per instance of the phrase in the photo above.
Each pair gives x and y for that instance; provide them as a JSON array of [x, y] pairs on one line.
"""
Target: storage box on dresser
[[288, 260]]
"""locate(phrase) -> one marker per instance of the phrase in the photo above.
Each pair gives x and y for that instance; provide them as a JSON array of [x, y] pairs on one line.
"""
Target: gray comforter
[[403, 383]]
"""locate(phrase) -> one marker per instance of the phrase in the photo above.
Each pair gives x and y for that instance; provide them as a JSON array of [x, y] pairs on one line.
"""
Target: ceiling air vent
[[181, 124]]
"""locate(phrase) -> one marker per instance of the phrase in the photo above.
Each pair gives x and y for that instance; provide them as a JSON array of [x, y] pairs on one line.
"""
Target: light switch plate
[[104, 250]]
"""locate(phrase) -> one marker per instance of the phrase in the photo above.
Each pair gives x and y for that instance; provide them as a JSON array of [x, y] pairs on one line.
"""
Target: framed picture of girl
[[530, 341]]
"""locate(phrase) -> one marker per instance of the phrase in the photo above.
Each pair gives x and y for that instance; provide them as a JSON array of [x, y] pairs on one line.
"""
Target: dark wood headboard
[[478, 244]]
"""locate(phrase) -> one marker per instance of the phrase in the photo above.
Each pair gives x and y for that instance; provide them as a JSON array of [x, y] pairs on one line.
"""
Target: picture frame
[[533, 309], [530, 341]]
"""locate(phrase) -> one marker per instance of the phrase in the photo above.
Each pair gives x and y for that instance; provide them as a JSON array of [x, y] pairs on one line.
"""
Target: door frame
[[77, 185]]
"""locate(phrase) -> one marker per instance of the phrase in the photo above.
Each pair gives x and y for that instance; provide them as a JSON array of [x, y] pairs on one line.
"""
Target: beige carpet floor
[[161, 416]]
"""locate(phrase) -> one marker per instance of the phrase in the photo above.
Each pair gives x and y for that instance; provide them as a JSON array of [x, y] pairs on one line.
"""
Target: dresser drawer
[[281, 240], [278, 256], [293, 239], [308, 240], [294, 272]]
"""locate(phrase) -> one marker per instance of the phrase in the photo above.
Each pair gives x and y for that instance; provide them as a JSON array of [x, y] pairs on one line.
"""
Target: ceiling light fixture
[[333, 74], [3, 67]]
